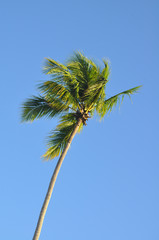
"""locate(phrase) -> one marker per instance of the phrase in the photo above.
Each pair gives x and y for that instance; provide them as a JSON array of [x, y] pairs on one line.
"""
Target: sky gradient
[[108, 186]]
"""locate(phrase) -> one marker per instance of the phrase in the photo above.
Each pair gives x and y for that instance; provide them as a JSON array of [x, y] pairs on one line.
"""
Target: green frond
[[93, 90], [52, 89], [106, 106], [99, 102], [59, 137], [95, 98], [54, 67], [106, 70], [73, 87], [59, 71], [62, 76], [38, 107], [85, 71], [79, 68], [80, 128], [69, 119]]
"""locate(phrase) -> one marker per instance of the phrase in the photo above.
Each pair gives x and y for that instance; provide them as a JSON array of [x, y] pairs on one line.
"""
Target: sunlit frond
[[85, 71], [106, 70], [52, 89], [106, 106], [61, 75], [59, 137], [93, 92], [54, 67], [38, 107]]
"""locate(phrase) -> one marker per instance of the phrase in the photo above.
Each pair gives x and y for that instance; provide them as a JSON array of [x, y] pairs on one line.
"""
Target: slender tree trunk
[[52, 183]]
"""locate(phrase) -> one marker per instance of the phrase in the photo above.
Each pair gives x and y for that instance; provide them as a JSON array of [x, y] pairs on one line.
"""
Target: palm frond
[[106, 70], [59, 137], [106, 106], [85, 71], [52, 89], [93, 90], [96, 89], [61, 75], [59, 71], [38, 107], [54, 67]]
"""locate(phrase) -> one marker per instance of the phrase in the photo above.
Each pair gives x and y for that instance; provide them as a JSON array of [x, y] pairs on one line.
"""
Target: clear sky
[[108, 187]]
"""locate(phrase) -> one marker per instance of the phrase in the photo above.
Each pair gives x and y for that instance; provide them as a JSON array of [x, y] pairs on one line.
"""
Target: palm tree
[[74, 93]]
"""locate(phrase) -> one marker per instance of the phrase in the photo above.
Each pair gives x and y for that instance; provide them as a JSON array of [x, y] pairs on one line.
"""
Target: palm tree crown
[[76, 91]]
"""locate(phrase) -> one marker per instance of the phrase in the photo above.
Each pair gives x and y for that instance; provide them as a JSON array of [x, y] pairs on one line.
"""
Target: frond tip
[[60, 136], [54, 67], [106, 106]]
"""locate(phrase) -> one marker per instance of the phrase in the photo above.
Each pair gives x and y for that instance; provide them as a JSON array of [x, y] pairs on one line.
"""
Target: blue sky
[[108, 187]]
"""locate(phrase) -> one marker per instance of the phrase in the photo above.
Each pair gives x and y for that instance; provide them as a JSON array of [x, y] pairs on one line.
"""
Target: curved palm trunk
[[52, 183]]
